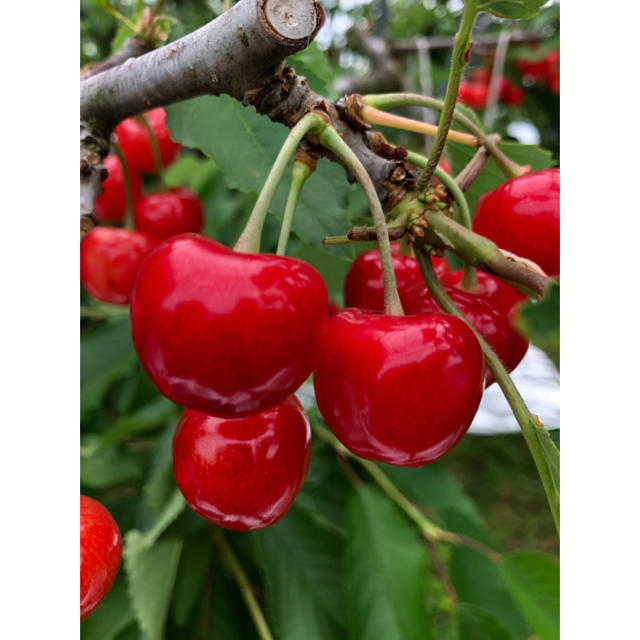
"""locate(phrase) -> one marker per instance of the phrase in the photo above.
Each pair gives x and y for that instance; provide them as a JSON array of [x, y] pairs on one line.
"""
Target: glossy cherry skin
[[100, 553], [242, 473], [111, 204], [495, 292], [134, 141], [110, 259], [522, 215], [169, 213], [401, 390], [473, 94], [492, 325], [363, 285], [227, 333]]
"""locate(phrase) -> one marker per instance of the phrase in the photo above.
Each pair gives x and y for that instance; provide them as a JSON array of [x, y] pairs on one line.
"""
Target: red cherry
[[242, 473], [134, 141], [111, 204], [492, 325], [444, 165], [473, 94], [109, 262], [551, 62], [493, 291], [363, 284], [167, 214], [100, 552], [401, 390], [552, 82], [227, 333], [533, 69], [481, 75], [522, 215], [511, 94]]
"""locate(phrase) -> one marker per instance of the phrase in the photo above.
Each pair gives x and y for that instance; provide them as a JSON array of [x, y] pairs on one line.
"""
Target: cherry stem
[[472, 169], [529, 424], [331, 139], [489, 141], [243, 584], [428, 529], [372, 115], [128, 190], [249, 240], [469, 280], [460, 56], [155, 152], [299, 174]]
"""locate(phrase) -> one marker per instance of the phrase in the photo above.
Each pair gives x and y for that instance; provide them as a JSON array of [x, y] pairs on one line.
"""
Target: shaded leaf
[[112, 616], [314, 65], [151, 572], [386, 566], [534, 581], [514, 9], [194, 564], [539, 320], [301, 563], [477, 623], [106, 468]]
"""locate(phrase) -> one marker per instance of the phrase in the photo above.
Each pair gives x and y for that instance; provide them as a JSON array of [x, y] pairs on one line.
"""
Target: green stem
[[394, 100], [299, 174], [472, 169], [155, 152], [528, 423], [461, 46], [243, 584], [428, 528], [128, 191], [330, 139], [469, 280], [249, 240]]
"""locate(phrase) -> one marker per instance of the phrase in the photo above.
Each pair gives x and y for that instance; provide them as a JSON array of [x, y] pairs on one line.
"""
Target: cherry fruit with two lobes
[[399, 389], [227, 333], [242, 473]]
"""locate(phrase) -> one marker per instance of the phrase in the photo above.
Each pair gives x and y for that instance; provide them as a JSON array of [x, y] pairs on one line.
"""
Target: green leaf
[[434, 487], [244, 144], [534, 581], [491, 176], [551, 455], [151, 572], [301, 563], [386, 564], [112, 616], [190, 171], [106, 468], [513, 9], [477, 580], [151, 415], [315, 66], [194, 564], [477, 623], [539, 320], [105, 354], [174, 507]]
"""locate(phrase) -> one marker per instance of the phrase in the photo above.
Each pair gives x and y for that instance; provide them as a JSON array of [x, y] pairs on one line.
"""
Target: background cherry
[[227, 333], [110, 259], [401, 390], [363, 285], [111, 204], [511, 94], [134, 141], [242, 473], [473, 94], [522, 215], [166, 214], [100, 552], [494, 326]]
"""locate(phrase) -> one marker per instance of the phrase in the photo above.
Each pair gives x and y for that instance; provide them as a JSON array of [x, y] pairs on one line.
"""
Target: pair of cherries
[[110, 257], [475, 91]]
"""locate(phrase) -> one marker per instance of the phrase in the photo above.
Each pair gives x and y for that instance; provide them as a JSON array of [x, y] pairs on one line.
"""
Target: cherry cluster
[[231, 336], [475, 91], [110, 256], [544, 70]]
